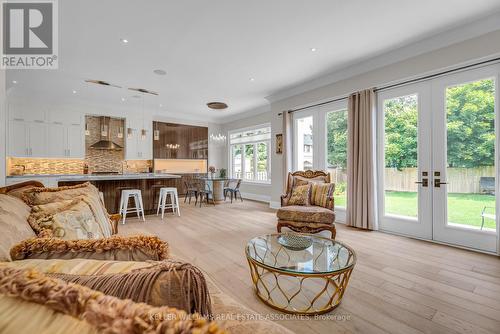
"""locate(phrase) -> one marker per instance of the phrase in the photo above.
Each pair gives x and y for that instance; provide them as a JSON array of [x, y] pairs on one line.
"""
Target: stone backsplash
[[104, 160], [44, 166], [40, 166]]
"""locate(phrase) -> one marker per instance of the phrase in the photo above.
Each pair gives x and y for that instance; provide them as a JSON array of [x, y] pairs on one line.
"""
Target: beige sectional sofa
[[135, 274]]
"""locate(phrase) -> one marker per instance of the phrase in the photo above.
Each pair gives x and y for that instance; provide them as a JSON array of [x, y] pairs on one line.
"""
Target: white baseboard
[[256, 197], [274, 205]]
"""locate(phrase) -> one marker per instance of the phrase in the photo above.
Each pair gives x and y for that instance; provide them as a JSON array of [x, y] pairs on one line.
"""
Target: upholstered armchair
[[318, 213]]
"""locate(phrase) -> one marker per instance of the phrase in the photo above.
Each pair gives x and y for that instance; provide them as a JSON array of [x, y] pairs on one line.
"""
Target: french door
[[438, 159]]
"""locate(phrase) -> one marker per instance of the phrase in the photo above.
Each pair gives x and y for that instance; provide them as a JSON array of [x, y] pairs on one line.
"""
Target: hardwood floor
[[399, 285]]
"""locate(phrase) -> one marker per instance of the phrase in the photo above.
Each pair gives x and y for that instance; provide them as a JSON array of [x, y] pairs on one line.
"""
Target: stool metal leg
[[159, 202], [164, 203], [141, 207], [124, 208], [177, 205]]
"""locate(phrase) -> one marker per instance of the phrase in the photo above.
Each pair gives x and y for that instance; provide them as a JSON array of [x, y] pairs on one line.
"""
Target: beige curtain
[[361, 194], [287, 147]]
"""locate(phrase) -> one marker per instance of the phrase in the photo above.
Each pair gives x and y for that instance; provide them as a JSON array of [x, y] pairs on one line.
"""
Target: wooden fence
[[460, 180]]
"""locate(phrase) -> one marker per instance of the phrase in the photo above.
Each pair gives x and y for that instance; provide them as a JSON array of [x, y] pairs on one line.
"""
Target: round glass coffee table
[[300, 273]]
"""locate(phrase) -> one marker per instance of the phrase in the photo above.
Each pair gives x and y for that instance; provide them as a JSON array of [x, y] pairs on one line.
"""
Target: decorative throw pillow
[[13, 224], [320, 193], [68, 220], [43, 196], [300, 195]]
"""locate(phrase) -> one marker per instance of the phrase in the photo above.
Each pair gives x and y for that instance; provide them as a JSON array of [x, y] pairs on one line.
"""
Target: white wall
[[456, 54], [260, 192], [3, 132]]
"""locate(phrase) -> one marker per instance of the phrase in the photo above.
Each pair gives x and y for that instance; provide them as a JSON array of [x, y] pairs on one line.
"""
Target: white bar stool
[[174, 201], [139, 207]]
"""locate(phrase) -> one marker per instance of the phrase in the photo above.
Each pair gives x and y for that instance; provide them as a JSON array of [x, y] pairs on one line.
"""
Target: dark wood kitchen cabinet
[[179, 141]]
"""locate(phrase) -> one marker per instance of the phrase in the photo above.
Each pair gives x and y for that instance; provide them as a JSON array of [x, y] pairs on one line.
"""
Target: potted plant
[[222, 173]]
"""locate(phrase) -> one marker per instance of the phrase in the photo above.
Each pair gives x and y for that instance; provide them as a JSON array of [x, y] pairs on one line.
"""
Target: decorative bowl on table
[[295, 241]]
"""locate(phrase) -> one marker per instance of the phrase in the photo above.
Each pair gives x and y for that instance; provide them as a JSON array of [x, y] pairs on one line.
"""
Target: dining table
[[217, 186]]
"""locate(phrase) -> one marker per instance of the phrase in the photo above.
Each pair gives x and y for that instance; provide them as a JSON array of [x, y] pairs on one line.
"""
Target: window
[[304, 143], [336, 123], [250, 158]]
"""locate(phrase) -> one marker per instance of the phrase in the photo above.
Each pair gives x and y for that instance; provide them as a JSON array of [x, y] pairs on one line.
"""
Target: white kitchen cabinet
[[27, 139], [136, 147], [18, 139], [27, 113], [66, 135], [37, 139], [57, 140], [75, 141]]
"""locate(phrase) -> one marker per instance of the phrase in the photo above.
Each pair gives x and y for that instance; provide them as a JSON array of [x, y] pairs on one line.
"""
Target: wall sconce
[[156, 135], [87, 131], [143, 134], [130, 132], [120, 132]]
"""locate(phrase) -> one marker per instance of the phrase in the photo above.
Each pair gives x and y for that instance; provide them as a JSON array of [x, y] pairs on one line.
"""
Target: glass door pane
[[470, 171], [262, 162], [249, 162], [236, 156], [401, 156], [304, 143], [336, 122], [404, 161], [464, 170]]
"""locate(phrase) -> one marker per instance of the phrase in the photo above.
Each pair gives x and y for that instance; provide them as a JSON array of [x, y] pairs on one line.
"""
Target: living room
[[249, 167]]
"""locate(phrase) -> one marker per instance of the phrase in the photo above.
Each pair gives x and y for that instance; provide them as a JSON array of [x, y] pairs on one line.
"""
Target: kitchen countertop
[[91, 177]]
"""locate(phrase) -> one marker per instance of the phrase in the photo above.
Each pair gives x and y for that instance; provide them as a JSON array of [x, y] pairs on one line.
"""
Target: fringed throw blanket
[[106, 313], [137, 285]]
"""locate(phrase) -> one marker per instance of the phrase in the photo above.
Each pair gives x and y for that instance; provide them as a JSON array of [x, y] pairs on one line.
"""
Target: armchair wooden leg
[[333, 230]]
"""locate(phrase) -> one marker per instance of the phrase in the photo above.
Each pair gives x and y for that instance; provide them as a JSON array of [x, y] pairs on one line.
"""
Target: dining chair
[[191, 190], [233, 187], [205, 192]]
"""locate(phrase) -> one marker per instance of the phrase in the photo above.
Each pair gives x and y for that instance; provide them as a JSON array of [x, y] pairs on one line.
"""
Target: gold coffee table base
[[323, 294]]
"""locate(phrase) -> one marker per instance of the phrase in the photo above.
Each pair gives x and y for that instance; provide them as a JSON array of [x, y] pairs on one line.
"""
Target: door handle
[[424, 182], [438, 183]]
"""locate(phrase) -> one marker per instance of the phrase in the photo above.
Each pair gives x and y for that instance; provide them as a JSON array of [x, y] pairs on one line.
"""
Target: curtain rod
[[423, 78]]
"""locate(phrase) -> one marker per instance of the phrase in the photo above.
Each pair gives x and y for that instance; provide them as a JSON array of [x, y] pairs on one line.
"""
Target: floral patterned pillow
[[300, 195], [68, 220]]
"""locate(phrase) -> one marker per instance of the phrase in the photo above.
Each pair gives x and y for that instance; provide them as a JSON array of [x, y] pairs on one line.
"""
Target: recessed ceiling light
[[124, 40], [74, 91], [313, 49], [14, 82], [159, 72], [161, 105], [123, 99], [252, 79], [217, 105]]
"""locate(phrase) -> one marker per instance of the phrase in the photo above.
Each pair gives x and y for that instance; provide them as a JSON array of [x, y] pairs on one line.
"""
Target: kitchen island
[[112, 185]]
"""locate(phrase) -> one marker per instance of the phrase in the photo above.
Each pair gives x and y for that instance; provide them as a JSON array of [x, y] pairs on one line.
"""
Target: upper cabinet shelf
[[179, 141]]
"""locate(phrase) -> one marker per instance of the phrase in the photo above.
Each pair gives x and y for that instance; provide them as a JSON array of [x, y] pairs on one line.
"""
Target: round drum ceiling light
[[159, 72], [217, 105]]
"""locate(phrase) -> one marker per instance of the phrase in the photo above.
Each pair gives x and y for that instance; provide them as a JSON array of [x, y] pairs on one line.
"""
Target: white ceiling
[[211, 49]]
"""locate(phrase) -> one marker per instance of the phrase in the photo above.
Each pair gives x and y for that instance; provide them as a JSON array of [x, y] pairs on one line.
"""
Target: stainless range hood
[[106, 143]]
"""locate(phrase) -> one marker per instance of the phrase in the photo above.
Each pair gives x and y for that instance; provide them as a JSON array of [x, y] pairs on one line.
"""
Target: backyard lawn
[[462, 208]]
